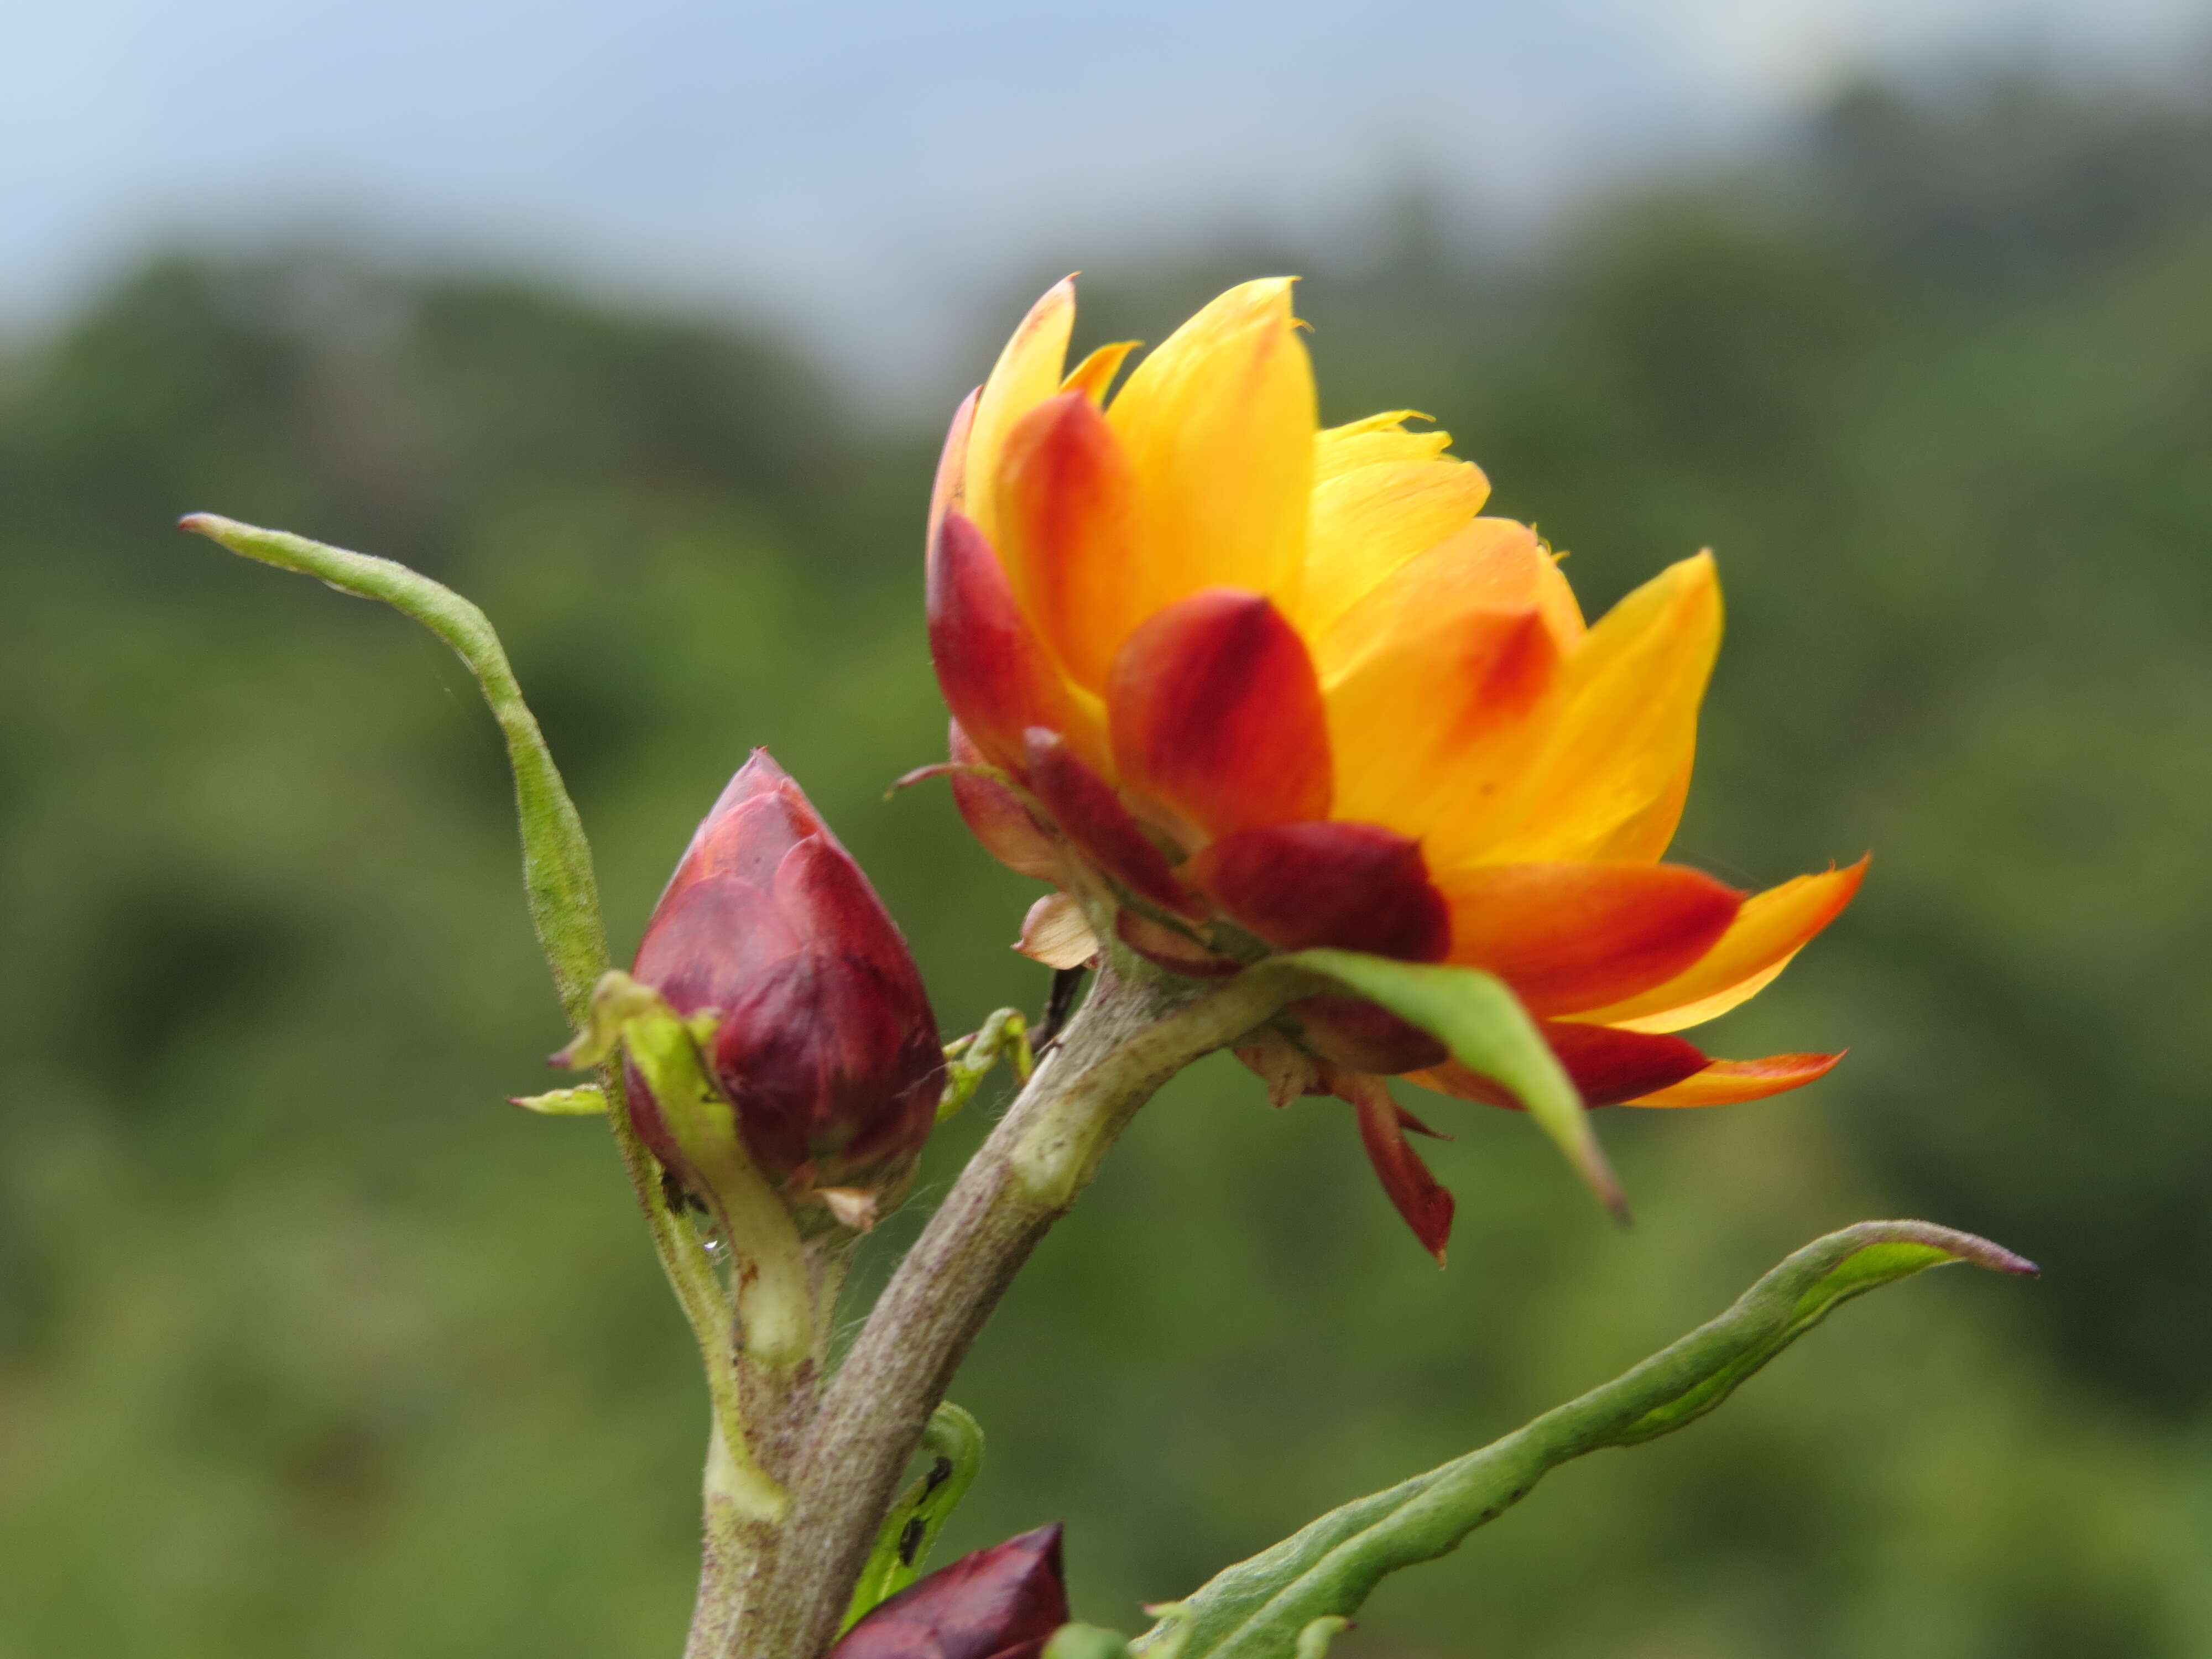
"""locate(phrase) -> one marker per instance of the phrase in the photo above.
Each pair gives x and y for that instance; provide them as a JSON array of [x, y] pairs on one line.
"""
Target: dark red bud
[[1004, 1602], [826, 1044]]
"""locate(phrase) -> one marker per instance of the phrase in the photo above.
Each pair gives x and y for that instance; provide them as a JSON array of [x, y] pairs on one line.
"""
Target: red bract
[[1004, 1602], [826, 1046]]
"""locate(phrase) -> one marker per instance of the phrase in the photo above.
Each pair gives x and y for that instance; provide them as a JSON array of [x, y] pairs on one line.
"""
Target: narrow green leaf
[[953, 1443], [1482, 1023], [1267, 1608], [585, 1100], [556, 860]]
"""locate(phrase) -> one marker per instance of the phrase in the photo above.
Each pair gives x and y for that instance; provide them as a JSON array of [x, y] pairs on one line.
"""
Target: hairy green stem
[[1131, 1036]]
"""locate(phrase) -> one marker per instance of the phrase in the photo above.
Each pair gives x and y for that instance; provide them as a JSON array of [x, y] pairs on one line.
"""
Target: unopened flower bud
[[1004, 1602], [823, 1040]]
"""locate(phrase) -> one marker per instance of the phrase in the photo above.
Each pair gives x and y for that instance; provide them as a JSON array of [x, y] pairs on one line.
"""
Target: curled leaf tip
[[1969, 1248]]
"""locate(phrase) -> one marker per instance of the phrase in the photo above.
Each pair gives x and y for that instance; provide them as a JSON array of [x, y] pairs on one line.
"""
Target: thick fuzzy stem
[[1132, 1035]]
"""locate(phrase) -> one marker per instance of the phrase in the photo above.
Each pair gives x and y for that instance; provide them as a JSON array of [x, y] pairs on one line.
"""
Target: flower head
[[824, 1041], [1237, 684]]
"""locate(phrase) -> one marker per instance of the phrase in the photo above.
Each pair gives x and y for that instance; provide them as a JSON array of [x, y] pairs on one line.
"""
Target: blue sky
[[869, 171]]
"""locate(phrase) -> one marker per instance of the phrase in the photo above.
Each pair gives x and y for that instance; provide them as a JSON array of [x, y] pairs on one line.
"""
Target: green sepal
[[1482, 1024], [968, 1060], [953, 1443], [585, 1100], [1270, 1606], [773, 1303]]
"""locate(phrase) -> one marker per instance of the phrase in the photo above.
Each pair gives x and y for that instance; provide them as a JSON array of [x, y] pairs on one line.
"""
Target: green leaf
[[556, 860], [953, 1443], [1480, 1020], [1085, 1642], [1267, 1608]]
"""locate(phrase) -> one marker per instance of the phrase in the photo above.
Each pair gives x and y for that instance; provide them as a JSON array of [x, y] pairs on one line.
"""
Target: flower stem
[[1131, 1036]]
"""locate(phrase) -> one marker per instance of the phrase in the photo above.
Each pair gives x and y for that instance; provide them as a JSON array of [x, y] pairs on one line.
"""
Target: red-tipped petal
[[1426, 1206], [1568, 937], [1355, 886], [996, 816], [1070, 532], [1090, 814], [1607, 1065], [1216, 714], [1362, 1037], [1725, 1082], [996, 676], [995, 1602], [950, 489]]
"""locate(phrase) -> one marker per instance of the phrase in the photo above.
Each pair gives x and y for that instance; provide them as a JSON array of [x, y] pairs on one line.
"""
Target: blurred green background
[[311, 1346]]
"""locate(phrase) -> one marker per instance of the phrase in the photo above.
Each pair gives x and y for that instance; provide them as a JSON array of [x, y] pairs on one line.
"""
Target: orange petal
[[1352, 886], [1027, 373], [1094, 374], [1217, 718], [1772, 927], [1218, 424], [1089, 813], [996, 677], [1413, 1192], [1368, 519], [1574, 936], [1725, 1082], [996, 816], [1436, 680], [1626, 727], [1608, 1067], [1069, 532], [951, 488]]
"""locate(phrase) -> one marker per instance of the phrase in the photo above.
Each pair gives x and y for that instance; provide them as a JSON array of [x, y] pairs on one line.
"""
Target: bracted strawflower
[[1237, 685]]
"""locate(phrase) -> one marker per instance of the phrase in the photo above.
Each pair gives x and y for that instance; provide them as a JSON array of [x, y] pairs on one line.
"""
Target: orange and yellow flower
[[1234, 682]]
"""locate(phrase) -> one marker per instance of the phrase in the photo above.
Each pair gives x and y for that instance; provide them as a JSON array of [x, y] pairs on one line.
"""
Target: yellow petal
[[1644, 838], [1094, 374], [1625, 726], [1218, 424], [1372, 516], [1770, 929], [1027, 373], [1378, 438], [1431, 681]]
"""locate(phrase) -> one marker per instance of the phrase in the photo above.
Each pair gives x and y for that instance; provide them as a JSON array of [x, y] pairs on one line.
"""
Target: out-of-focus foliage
[[311, 1346]]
